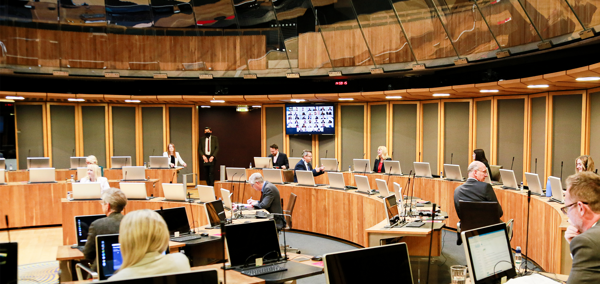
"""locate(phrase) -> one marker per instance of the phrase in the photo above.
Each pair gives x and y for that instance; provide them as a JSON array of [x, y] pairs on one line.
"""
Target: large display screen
[[309, 119]]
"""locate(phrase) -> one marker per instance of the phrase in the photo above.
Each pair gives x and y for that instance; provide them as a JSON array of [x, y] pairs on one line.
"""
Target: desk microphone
[[527, 235], [242, 189], [7, 227], [430, 240], [73, 154], [402, 195], [535, 171], [365, 172], [561, 167], [125, 176], [511, 163], [223, 233], [193, 227], [451, 156], [388, 181], [292, 153], [326, 153], [29, 153], [153, 152], [173, 177]]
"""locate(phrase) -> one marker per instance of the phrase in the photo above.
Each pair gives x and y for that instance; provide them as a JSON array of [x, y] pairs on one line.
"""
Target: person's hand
[[211, 159], [249, 201], [284, 167], [571, 233], [205, 159], [171, 165], [184, 164]]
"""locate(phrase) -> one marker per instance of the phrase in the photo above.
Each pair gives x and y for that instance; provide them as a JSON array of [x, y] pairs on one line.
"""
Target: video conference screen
[[309, 119]]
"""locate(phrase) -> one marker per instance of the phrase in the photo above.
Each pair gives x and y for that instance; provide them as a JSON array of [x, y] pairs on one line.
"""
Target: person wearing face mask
[[208, 149]]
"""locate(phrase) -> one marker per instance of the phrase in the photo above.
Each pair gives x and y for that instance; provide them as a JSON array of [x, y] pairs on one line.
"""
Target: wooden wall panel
[[456, 135], [404, 135], [484, 127], [62, 131], [538, 137], [352, 135], [566, 134], [181, 131], [511, 119], [378, 127], [431, 136], [93, 120], [274, 128], [30, 132]]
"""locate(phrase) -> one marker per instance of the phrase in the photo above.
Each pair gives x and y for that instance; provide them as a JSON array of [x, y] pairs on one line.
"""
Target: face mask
[[207, 135]]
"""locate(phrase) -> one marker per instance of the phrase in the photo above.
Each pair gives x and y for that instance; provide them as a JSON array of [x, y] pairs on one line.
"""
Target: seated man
[[269, 200], [474, 189], [582, 201], [304, 165], [113, 202], [280, 160]]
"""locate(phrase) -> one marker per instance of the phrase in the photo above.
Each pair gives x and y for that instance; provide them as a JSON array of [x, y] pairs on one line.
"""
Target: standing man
[[280, 160], [304, 165], [270, 199], [582, 201], [209, 148]]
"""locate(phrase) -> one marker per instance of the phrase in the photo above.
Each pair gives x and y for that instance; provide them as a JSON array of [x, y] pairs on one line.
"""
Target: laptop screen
[[215, 212], [391, 209], [488, 253], [8, 262], [109, 255], [82, 226], [263, 237], [176, 219], [348, 267]]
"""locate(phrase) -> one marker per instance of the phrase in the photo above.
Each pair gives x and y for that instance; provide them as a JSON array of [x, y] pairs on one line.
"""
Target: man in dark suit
[[474, 189], [280, 160], [208, 149], [582, 206], [304, 165], [270, 199], [113, 202]]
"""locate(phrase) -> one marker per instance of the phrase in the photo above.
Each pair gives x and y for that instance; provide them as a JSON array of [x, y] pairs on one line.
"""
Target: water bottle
[[10, 167], [250, 165], [72, 178], [349, 168], [522, 186], [518, 258]]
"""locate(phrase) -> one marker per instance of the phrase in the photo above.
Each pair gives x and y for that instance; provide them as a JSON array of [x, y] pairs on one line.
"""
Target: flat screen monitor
[[38, 162], [215, 212], [508, 179], [176, 219], [78, 162], [264, 242], [488, 253], [391, 209], [82, 226], [108, 254], [9, 262], [263, 162], [309, 119], [347, 267]]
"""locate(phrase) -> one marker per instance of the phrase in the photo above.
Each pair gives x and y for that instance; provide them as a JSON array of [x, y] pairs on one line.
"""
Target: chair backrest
[[509, 227], [478, 214], [495, 175], [290, 209]]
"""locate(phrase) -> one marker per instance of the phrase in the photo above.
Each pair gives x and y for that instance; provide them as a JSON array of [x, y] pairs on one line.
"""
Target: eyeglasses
[[565, 209]]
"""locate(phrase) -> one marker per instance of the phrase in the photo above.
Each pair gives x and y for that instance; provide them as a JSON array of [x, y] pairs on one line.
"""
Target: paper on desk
[[532, 279]]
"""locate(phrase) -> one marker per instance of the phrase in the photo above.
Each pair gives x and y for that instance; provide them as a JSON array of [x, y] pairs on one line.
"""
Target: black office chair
[[476, 214]]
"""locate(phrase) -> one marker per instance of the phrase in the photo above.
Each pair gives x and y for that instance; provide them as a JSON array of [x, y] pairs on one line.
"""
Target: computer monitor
[[398, 192], [134, 190], [226, 197], [208, 276], [236, 174], [422, 169], [108, 255], [293, 161], [158, 162], [336, 180], [453, 172], [557, 190], [391, 209], [263, 162], [42, 175], [488, 253], [2, 163], [38, 162], [273, 176], [2, 176], [78, 162], [362, 166], [9, 262], [509, 180], [82, 226], [264, 242], [215, 213], [347, 267], [330, 164], [534, 184], [135, 173], [362, 184], [206, 193], [392, 167], [174, 191], [176, 219], [382, 187], [86, 191], [118, 162], [305, 178]]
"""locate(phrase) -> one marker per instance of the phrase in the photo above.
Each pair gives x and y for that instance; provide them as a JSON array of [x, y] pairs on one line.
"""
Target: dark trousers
[[209, 169]]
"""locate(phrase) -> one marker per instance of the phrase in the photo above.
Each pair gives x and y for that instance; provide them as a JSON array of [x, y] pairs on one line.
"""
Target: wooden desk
[[288, 176], [32, 204], [416, 239], [23, 175]]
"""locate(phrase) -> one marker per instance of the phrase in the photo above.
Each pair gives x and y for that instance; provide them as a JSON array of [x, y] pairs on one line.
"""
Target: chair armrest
[[79, 267]]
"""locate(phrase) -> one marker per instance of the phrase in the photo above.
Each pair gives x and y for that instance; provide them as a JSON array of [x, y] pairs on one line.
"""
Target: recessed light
[[586, 79], [76, 100], [393, 97], [488, 91], [217, 101], [256, 106], [205, 106], [537, 86], [346, 99], [132, 101], [297, 100], [14, 98], [441, 95]]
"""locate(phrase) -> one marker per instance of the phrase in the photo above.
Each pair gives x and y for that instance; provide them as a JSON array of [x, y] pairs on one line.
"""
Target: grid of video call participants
[[310, 119]]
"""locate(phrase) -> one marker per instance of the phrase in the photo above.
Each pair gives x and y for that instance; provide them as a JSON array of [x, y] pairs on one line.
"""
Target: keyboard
[[351, 187], [261, 270], [186, 238]]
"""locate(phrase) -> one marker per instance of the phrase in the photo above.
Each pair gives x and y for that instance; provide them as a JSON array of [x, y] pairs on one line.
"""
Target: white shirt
[[275, 158], [207, 145], [102, 180], [154, 264]]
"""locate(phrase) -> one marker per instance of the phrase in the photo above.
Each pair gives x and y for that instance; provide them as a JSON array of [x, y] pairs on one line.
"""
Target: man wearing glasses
[[582, 200]]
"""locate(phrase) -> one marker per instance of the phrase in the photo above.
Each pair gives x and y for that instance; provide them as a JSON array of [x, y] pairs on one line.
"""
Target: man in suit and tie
[[208, 149], [270, 199], [582, 206], [474, 189], [304, 165], [280, 160], [113, 202]]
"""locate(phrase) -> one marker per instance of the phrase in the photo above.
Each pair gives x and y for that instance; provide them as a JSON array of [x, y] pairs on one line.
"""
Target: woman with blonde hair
[[174, 158], [382, 154], [584, 164], [144, 236], [92, 160], [94, 175]]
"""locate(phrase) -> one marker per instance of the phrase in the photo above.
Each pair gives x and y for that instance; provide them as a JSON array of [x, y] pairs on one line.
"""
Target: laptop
[[508, 179], [346, 267], [9, 262], [398, 192], [236, 174], [174, 192], [2, 163], [11, 164], [488, 253], [82, 226], [453, 172], [362, 184], [534, 184], [206, 193], [215, 213], [38, 162], [336, 180], [382, 187], [135, 173], [557, 191], [391, 210], [362, 166], [226, 197], [330, 164], [118, 162], [86, 191], [293, 161], [42, 175], [2, 176], [78, 162], [392, 167], [159, 162], [274, 176], [422, 169], [134, 190], [81, 173], [306, 178], [263, 162], [205, 276]]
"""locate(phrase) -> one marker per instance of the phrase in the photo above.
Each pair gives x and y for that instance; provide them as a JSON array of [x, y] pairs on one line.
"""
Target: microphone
[[29, 153], [223, 234], [7, 227], [527, 234], [233, 185], [73, 154], [388, 181], [511, 164], [125, 176], [365, 172], [326, 153], [173, 177], [242, 189], [153, 152], [419, 156], [535, 171], [364, 154], [561, 167], [430, 241], [402, 195], [451, 157], [292, 153], [193, 227]]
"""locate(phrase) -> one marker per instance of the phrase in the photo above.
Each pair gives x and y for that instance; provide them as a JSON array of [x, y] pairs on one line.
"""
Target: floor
[[37, 244]]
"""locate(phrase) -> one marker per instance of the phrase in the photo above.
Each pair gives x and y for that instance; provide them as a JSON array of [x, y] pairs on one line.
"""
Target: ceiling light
[[132, 101], [217, 101], [76, 100], [393, 97], [297, 100], [14, 98], [256, 106], [242, 108], [581, 79], [441, 95], [537, 86], [346, 99], [488, 91], [205, 106]]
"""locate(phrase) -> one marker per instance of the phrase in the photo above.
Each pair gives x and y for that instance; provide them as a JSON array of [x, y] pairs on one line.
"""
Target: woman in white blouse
[[93, 175], [174, 158]]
